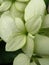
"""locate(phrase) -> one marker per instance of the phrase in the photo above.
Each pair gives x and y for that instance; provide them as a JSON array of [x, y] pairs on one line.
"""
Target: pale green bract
[[21, 59]]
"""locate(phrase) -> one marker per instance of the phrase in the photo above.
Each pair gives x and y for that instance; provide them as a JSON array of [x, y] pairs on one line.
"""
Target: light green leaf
[[34, 9], [33, 26], [44, 61], [5, 6], [41, 45], [28, 49], [16, 43], [45, 23], [20, 6], [21, 59]]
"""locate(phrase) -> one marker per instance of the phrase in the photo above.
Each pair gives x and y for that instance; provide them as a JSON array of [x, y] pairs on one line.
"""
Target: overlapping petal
[[28, 48], [34, 9], [16, 43], [10, 27], [5, 6], [42, 44], [21, 59], [33, 26]]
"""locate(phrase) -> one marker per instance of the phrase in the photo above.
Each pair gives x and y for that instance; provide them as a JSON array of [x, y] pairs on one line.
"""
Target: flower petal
[[28, 49], [34, 9], [44, 61], [22, 0], [33, 26], [10, 27], [33, 63], [46, 22], [20, 6], [41, 45], [7, 27], [21, 59], [20, 25], [5, 6], [16, 43], [15, 12]]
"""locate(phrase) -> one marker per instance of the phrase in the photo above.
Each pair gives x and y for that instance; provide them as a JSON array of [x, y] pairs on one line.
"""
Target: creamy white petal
[[10, 27], [42, 44], [33, 26], [28, 49], [20, 25], [45, 23], [20, 6], [5, 6], [7, 27], [16, 43], [33, 63], [34, 9], [15, 12], [21, 59], [44, 61], [22, 0]]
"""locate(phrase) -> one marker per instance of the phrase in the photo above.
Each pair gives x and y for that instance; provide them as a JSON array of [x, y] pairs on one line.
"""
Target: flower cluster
[[20, 23]]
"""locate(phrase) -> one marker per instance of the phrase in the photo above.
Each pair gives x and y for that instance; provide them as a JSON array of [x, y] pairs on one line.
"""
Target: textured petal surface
[[10, 27], [33, 26], [44, 61], [21, 59], [5, 6], [20, 6], [42, 45], [16, 43], [34, 9], [29, 46], [46, 22]]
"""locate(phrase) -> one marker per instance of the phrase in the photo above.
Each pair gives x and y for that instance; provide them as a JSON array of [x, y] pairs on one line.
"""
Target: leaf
[[16, 43], [33, 26], [28, 49], [34, 9], [41, 45], [21, 59]]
